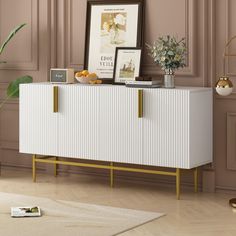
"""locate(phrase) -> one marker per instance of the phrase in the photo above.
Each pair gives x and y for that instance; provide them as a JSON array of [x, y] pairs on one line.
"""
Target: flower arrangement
[[169, 53], [113, 25]]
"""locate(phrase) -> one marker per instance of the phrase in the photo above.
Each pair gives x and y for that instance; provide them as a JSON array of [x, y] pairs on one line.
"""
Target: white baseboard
[[223, 189]]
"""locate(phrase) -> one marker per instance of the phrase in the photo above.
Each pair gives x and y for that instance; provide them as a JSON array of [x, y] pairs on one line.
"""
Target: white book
[[135, 82], [29, 211]]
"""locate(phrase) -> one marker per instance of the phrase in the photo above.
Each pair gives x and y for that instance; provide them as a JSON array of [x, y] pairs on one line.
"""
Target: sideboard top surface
[[191, 89]]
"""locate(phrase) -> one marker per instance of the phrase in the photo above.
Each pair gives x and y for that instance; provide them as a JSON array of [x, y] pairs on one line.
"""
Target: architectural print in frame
[[127, 64], [111, 24]]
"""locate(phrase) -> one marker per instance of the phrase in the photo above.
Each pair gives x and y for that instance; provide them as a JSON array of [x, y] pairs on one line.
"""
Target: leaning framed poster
[[111, 24]]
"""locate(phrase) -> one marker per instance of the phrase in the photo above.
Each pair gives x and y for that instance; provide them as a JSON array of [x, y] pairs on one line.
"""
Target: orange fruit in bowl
[[92, 76], [96, 81], [84, 77], [78, 74], [92, 81], [84, 73]]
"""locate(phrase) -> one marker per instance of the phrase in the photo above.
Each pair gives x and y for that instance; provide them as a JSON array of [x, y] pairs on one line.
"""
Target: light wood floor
[[202, 214]]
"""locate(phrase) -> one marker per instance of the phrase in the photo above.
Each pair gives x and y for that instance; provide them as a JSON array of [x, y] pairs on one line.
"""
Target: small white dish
[[84, 80]]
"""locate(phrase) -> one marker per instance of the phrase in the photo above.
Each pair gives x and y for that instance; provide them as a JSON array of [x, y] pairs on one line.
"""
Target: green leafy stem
[[10, 36], [14, 86], [13, 89]]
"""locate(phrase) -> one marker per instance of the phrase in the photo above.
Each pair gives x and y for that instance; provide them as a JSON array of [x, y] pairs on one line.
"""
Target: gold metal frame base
[[112, 168]]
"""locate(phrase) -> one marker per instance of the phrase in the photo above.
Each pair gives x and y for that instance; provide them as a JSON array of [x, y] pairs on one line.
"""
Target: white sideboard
[[102, 123]]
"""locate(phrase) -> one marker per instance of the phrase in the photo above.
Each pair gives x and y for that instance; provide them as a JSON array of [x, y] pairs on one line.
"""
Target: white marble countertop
[[192, 89]]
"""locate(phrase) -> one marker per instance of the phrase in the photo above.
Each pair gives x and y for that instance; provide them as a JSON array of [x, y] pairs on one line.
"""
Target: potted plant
[[13, 87], [169, 54]]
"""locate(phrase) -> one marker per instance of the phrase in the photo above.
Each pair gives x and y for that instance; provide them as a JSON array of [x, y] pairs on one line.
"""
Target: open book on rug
[[25, 211]]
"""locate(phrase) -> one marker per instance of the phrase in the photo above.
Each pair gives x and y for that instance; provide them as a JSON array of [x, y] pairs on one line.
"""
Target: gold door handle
[[55, 98], [140, 103]]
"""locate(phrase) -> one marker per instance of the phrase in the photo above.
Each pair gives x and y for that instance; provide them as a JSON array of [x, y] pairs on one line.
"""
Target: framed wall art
[[127, 64], [111, 24]]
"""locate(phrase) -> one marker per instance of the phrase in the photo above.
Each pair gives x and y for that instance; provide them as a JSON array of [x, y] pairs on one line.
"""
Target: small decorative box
[[58, 75]]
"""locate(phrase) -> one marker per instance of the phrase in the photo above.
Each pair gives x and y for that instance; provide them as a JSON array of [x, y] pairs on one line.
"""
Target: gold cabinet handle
[[140, 103], [55, 99]]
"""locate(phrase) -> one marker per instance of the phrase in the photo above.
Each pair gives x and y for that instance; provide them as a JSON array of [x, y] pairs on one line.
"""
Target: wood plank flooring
[[203, 214]]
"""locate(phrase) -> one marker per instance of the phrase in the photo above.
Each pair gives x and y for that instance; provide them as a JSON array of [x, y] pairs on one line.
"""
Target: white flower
[[120, 19], [170, 53], [177, 57], [163, 58]]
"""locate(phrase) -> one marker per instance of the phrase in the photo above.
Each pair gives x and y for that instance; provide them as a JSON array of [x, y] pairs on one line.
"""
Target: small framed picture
[[127, 64]]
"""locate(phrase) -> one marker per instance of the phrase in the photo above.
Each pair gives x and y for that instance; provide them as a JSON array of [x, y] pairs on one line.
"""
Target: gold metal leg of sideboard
[[111, 168], [34, 168], [178, 183], [111, 175], [55, 167], [196, 180]]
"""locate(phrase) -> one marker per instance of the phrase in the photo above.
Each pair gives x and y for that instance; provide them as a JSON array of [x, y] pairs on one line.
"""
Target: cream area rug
[[65, 218]]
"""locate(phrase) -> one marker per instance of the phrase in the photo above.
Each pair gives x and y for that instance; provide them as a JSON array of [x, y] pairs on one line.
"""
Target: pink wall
[[55, 34]]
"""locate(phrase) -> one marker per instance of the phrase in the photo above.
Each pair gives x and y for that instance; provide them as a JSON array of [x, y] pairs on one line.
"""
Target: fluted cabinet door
[[120, 128], [78, 122], [38, 123], [165, 128], [177, 127]]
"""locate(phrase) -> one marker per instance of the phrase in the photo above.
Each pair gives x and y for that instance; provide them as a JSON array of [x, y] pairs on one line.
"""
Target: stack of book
[[139, 83]]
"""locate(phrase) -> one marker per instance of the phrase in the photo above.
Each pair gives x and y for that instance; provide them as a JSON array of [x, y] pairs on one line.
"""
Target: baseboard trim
[[20, 167], [224, 189]]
